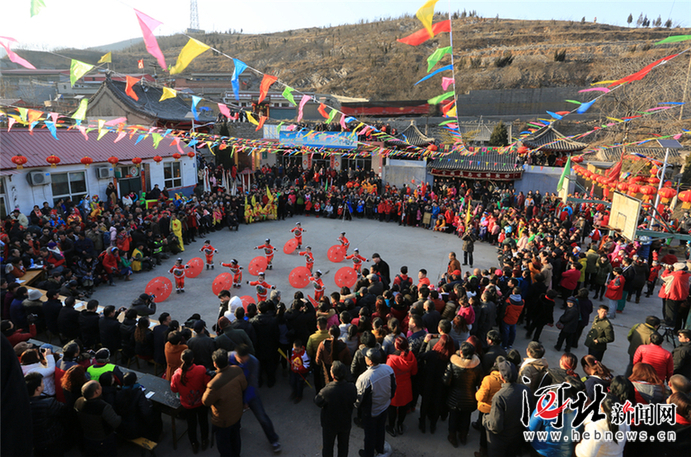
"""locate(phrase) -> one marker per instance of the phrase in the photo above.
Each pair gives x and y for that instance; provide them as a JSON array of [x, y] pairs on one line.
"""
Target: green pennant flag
[[437, 56], [78, 69], [156, 137], [36, 7], [332, 114], [447, 122], [81, 111], [674, 39], [440, 98], [288, 94], [564, 174]]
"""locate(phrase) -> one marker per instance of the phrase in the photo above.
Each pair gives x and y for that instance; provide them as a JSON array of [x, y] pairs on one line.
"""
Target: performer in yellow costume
[[176, 228]]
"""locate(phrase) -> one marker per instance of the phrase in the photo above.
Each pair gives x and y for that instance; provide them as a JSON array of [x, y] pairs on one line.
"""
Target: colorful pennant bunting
[[426, 14], [235, 80], [80, 114], [168, 93], [129, 87], [422, 35], [435, 72], [148, 25], [440, 98], [192, 49], [288, 94], [303, 101], [106, 58], [267, 81], [436, 56], [78, 69], [5, 43]]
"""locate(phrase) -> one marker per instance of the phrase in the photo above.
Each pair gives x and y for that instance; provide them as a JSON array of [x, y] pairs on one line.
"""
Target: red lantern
[[53, 160], [522, 149], [622, 187], [113, 160], [638, 179], [577, 159], [668, 184], [191, 155], [685, 197], [667, 193], [19, 160], [176, 156], [86, 161], [634, 189], [654, 181], [431, 147], [158, 159], [648, 192], [137, 161]]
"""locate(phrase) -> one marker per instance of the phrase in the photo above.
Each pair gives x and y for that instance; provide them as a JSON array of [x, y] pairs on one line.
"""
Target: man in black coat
[[160, 338], [384, 270], [301, 318], [51, 311], [47, 417], [88, 324], [202, 345], [144, 305], [68, 321], [337, 401], [109, 329], [493, 351], [682, 354], [266, 349]]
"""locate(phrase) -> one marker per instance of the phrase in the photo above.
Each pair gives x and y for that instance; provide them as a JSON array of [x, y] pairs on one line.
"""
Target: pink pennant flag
[[595, 89], [224, 110], [10, 123], [120, 120], [291, 128], [54, 117], [148, 25], [121, 135], [5, 43], [83, 130], [343, 124], [303, 101], [446, 82]]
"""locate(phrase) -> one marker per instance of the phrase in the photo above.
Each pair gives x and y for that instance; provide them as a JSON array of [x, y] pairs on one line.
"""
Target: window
[[68, 185], [172, 176]]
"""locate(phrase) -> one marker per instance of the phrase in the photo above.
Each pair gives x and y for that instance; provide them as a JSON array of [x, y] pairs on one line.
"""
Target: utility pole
[[686, 90]]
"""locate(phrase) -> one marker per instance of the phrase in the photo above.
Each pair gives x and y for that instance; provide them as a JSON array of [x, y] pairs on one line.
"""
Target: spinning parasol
[[246, 300], [336, 253], [196, 266], [290, 246], [224, 281], [161, 287], [299, 277], [257, 265], [345, 277]]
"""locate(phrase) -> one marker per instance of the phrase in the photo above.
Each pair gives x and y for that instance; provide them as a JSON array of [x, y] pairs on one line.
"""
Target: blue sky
[[82, 24]]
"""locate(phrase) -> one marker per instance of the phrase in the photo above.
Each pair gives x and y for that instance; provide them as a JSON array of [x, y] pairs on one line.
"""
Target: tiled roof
[[171, 109], [411, 135], [613, 154], [72, 146], [489, 161], [557, 142]]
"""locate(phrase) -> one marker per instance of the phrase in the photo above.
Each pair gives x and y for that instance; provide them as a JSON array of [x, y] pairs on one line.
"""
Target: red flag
[[128, 90], [140, 63], [267, 81], [422, 35], [642, 73], [322, 110], [262, 119], [613, 173]]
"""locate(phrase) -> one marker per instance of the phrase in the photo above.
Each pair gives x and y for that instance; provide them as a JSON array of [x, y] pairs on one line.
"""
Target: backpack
[[405, 283]]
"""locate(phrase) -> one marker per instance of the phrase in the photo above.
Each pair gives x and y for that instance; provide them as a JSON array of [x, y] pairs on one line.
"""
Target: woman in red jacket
[[404, 366], [615, 290], [110, 263], [190, 382]]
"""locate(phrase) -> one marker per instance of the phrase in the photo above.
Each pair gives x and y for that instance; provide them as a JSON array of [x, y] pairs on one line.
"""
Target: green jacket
[[602, 331], [603, 271], [638, 336], [591, 261]]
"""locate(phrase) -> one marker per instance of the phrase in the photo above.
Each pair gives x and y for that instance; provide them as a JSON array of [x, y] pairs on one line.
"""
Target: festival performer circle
[[318, 285], [344, 242], [297, 231], [309, 257], [209, 252], [178, 272], [262, 287], [268, 251], [357, 260], [236, 270]]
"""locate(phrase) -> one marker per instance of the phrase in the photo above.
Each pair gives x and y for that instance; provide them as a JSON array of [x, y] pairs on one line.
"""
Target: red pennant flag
[[267, 81], [642, 73], [322, 111], [140, 63], [128, 90], [261, 123], [422, 35]]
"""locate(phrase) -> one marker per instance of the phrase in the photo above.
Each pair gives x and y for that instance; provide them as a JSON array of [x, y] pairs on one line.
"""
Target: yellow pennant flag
[[251, 118], [426, 15], [81, 111], [168, 93], [106, 58], [191, 50], [451, 112]]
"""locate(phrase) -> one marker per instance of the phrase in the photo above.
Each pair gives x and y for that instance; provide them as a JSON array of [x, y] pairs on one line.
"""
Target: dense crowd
[[392, 346]]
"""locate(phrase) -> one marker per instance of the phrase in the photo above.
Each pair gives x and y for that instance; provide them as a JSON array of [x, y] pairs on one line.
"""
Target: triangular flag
[[426, 14], [322, 111], [440, 98], [148, 25], [251, 118], [288, 94], [262, 119], [564, 174], [81, 111], [437, 56], [267, 81], [106, 58], [422, 35], [435, 72], [343, 122], [191, 50], [585, 106], [36, 7], [128, 88], [101, 133], [33, 115], [446, 82], [51, 128], [168, 93], [156, 139], [195, 101], [78, 69], [235, 80], [451, 112], [10, 123], [674, 39], [332, 115], [121, 135], [139, 138], [224, 110], [5, 43], [303, 101]]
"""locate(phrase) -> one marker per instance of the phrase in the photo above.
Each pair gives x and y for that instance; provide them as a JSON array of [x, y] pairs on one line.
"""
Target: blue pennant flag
[[448, 67], [235, 81]]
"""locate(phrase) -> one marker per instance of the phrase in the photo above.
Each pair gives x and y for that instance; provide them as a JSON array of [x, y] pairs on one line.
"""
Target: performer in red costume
[[209, 252], [357, 260], [344, 242], [268, 251], [178, 271], [297, 231], [318, 285], [309, 257], [236, 269], [262, 287]]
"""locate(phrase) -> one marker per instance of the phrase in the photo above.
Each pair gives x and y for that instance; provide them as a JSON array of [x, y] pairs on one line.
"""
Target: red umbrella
[[336, 253], [224, 281], [290, 246], [196, 266], [161, 287], [345, 277], [299, 277], [246, 300], [257, 265]]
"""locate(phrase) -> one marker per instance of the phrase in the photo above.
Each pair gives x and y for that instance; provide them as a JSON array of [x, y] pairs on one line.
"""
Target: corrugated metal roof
[[489, 161], [557, 142], [72, 146]]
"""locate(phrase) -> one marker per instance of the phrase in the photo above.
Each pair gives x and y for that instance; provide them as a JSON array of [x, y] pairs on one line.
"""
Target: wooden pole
[[686, 89]]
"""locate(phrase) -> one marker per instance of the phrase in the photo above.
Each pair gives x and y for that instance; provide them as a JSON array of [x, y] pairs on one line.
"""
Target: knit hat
[[35, 294]]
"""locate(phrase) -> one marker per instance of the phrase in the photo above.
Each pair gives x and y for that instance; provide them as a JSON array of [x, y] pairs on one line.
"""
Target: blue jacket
[[251, 371], [549, 447]]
